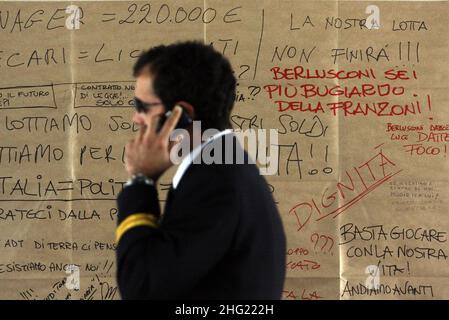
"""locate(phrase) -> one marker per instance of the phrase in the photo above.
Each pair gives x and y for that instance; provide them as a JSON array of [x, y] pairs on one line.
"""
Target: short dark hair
[[196, 73]]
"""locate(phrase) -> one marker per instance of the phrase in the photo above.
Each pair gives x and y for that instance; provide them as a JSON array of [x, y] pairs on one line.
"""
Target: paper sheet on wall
[[357, 90]]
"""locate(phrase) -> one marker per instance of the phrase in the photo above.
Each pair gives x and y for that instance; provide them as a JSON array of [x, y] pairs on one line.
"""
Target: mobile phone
[[184, 121]]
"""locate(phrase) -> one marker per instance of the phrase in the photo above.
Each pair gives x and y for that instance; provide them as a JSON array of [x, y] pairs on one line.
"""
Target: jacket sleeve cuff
[[137, 198]]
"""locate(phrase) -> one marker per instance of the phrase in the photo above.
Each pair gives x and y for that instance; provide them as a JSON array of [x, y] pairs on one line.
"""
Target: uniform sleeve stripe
[[135, 220]]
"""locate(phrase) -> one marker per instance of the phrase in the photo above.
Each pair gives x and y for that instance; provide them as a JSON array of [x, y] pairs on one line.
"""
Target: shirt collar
[[187, 161]]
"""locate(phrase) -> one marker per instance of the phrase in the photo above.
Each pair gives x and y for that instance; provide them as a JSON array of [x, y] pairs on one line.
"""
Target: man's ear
[[188, 108]]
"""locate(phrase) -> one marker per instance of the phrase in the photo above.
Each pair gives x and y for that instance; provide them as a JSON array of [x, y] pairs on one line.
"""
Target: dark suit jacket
[[221, 237]]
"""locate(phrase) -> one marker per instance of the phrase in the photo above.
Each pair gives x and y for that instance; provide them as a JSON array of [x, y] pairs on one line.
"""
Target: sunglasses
[[143, 107]]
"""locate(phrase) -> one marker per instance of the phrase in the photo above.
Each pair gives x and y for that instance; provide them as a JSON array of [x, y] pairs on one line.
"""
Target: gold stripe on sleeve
[[135, 220]]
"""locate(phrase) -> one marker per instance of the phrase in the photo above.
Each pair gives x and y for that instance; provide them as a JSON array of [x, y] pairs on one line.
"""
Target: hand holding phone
[[184, 121], [148, 153]]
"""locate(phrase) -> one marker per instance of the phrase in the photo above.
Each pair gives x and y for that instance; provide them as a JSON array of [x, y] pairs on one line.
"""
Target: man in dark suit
[[220, 235]]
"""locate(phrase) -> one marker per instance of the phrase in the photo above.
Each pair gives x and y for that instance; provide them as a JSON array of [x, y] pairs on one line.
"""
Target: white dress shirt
[[187, 161]]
